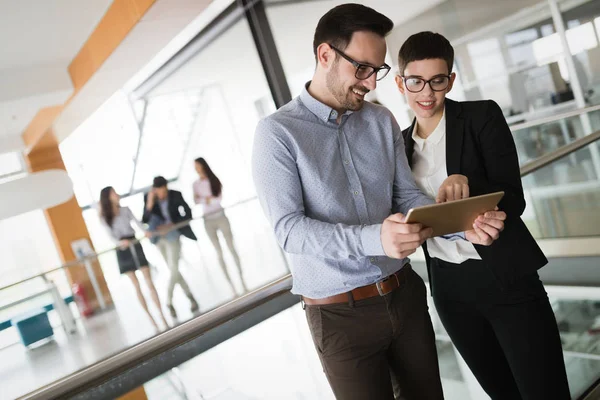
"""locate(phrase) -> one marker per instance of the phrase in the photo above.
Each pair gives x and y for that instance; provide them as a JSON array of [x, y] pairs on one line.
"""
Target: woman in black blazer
[[489, 298]]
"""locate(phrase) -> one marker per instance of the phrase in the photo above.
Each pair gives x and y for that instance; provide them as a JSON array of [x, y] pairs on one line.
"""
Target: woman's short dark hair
[[425, 46], [338, 24]]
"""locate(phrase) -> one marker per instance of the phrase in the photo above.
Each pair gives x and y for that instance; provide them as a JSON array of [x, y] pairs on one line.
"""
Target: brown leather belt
[[380, 288]]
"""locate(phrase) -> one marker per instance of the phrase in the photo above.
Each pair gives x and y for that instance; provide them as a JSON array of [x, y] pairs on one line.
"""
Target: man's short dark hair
[[159, 182], [338, 24], [425, 46]]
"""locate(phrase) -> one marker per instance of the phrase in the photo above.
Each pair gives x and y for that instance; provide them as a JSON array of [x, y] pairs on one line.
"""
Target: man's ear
[[399, 83], [325, 55]]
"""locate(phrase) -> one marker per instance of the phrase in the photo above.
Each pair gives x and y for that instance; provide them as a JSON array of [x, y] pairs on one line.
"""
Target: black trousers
[[507, 335], [363, 344]]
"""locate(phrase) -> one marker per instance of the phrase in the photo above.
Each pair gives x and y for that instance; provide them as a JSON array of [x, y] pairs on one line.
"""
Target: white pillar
[[559, 24]]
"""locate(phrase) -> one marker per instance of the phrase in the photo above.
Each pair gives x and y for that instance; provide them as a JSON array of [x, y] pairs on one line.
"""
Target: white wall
[[27, 249]]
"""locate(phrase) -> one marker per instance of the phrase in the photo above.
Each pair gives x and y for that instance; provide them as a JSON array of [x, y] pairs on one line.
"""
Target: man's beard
[[343, 96]]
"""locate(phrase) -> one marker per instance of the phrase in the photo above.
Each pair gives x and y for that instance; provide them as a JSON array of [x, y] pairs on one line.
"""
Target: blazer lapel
[[409, 143], [454, 137]]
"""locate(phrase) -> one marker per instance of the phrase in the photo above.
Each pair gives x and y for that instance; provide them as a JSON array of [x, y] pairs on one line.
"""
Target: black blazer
[[479, 145], [179, 211]]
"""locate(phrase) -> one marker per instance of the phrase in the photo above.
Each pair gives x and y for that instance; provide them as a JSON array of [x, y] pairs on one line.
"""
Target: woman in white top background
[[208, 192], [118, 221]]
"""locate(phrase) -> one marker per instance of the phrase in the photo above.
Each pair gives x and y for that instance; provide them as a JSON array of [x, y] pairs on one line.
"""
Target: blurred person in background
[[208, 193], [163, 209], [118, 220]]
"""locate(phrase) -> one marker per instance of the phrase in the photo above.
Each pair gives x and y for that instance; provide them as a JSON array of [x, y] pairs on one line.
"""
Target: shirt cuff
[[370, 237], [453, 237]]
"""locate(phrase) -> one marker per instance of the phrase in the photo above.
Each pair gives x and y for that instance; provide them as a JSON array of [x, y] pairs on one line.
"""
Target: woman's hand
[[454, 187], [487, 228]]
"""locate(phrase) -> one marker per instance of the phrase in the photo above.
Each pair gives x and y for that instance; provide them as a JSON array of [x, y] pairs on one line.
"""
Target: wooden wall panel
[[118, 21], [136, 394]]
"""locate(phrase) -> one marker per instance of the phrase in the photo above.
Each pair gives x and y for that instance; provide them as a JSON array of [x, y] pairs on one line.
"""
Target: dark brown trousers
[[361, 344]]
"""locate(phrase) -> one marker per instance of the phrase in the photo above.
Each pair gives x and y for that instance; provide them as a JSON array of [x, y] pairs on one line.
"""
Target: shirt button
[[346, 162], [356, 192], [372, 259]]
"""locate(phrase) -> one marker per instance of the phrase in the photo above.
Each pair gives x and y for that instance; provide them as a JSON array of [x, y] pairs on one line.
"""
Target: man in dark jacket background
[[163, 209]]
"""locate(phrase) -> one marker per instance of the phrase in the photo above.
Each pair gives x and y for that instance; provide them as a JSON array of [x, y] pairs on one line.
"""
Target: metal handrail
[[563, 151], [78, 262], [553, 118], [113, 366]]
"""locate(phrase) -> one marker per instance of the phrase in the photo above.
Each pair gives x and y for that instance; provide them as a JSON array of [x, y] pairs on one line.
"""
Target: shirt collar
[[435, 137], [321, 110]]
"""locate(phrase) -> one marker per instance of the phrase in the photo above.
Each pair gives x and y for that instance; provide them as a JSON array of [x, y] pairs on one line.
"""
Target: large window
[[101, 152], [223, 93], [167, 124], [208, 107]]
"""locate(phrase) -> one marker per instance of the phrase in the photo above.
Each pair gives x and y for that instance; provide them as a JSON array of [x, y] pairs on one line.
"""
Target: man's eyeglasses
[[437, 83], [364, 71]]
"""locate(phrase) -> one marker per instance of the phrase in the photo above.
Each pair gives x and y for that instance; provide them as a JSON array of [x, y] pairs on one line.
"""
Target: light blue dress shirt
[[326, 189], [171, 236]]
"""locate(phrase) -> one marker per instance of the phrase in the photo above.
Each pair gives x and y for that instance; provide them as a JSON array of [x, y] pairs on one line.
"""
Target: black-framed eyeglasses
[[415, 84], [364, 71]]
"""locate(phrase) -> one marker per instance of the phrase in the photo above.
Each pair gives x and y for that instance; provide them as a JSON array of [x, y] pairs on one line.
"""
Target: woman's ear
[[451, 83]]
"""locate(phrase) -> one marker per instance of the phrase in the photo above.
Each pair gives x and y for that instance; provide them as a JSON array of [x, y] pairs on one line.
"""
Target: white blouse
[[202, 190], [429, 171]]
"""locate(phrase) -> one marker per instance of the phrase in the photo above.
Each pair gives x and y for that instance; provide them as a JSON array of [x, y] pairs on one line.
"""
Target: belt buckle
[[379, 288]]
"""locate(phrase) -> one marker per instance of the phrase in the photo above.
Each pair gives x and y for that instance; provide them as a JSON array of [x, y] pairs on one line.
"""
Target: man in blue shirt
[[333, 179]]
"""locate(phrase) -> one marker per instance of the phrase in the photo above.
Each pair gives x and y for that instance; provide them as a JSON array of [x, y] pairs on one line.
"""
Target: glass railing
[[275, 359], [122, 323], [159, 354], [537, 138], [289, 364], [578, 318], [563, 197]]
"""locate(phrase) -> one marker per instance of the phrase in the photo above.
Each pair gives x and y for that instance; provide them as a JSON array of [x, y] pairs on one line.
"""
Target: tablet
[[453, 216]]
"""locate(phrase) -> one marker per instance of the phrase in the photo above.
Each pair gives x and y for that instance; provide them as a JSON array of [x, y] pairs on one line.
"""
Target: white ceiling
[[163, 30], [38, 41], [40, 32]]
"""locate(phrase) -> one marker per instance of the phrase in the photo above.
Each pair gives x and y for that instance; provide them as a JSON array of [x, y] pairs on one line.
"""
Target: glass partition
[[535, 141], [563, 198]]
